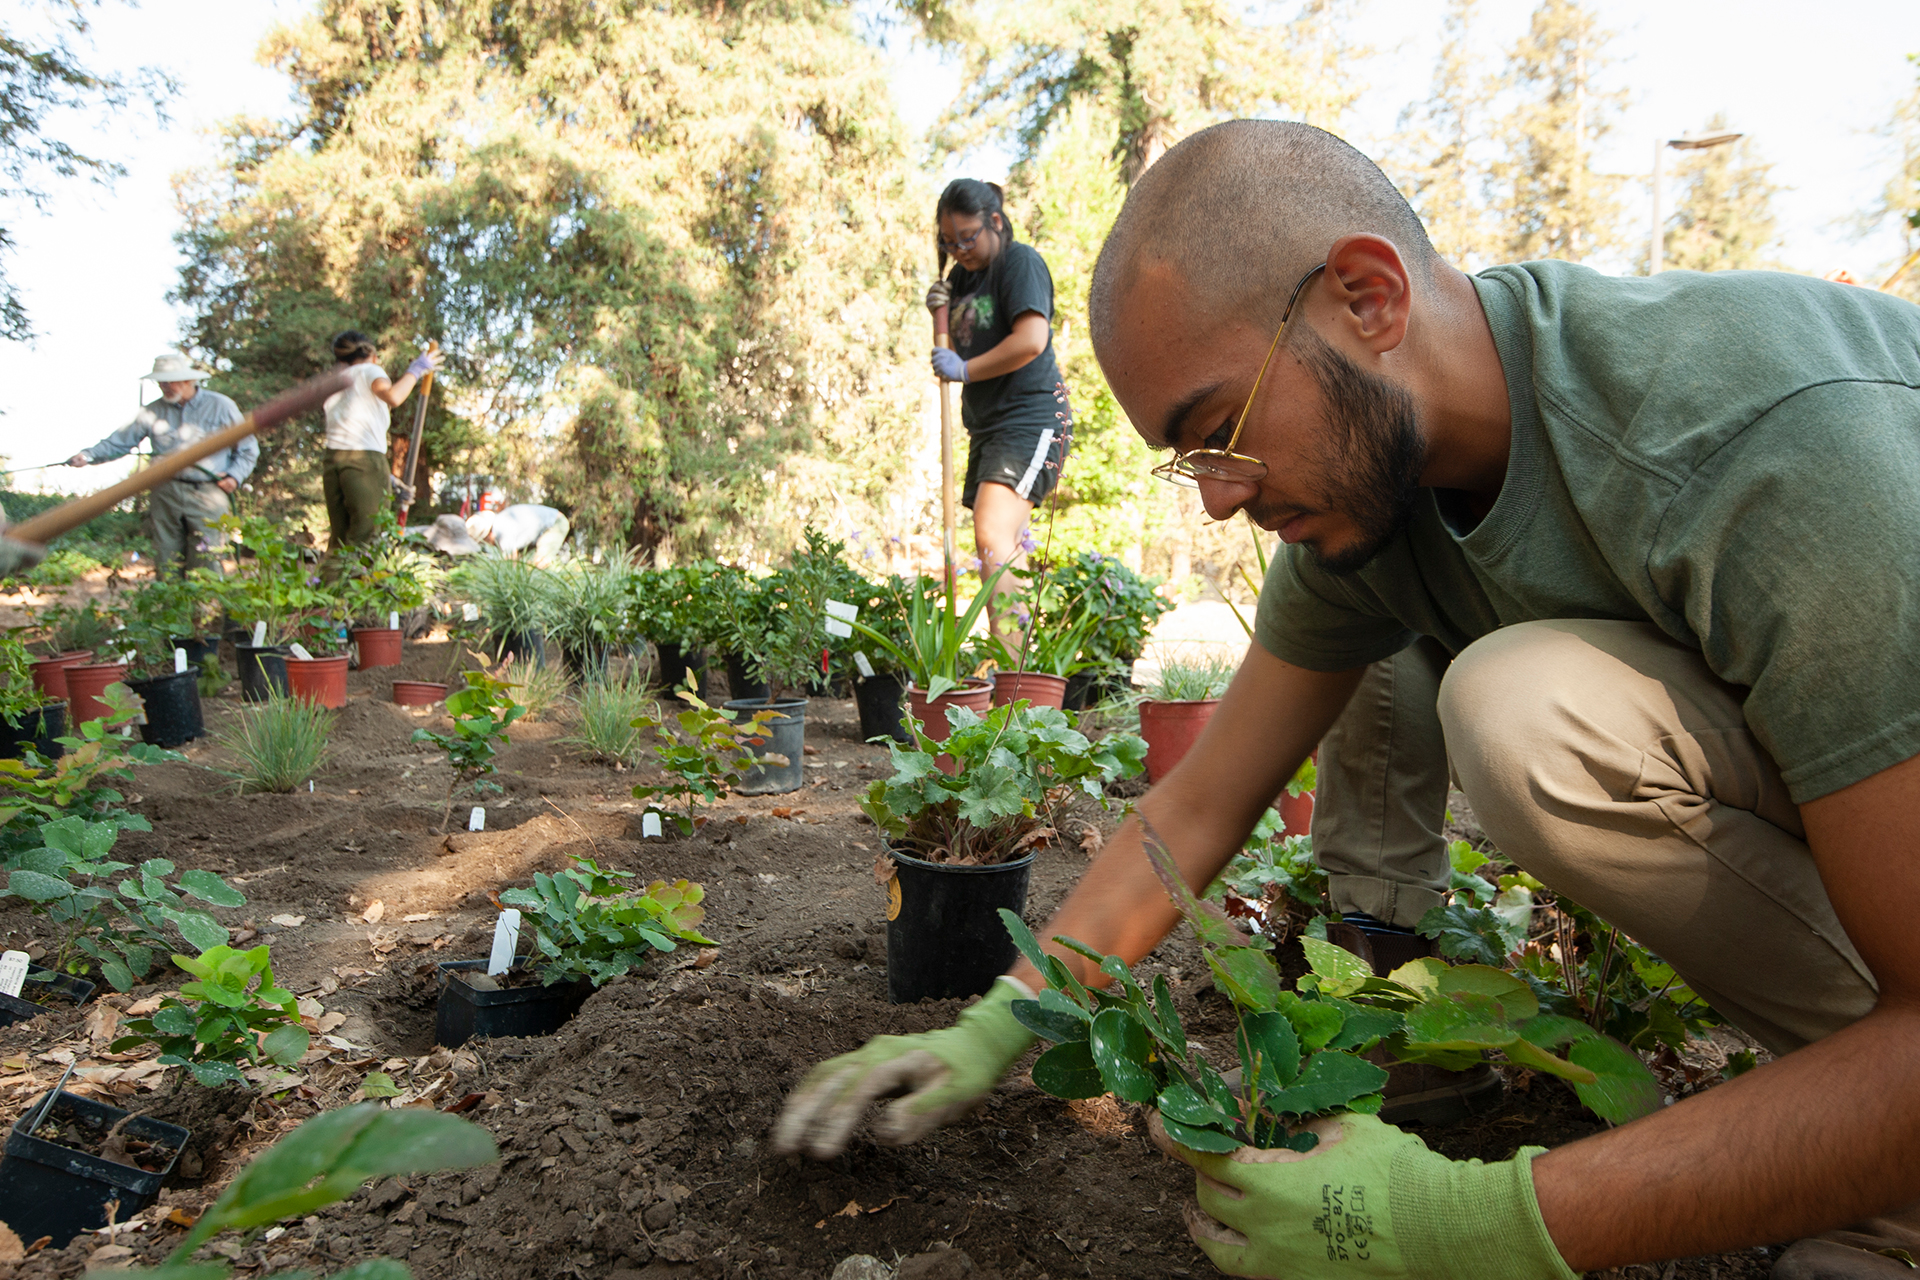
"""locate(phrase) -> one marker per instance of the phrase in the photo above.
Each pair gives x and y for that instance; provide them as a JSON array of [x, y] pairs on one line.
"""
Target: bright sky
[[1808, 83]]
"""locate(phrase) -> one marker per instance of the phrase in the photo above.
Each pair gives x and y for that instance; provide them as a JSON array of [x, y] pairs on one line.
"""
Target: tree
[[1435, 156], [669, 248], [40, 74], [1546, 195], [1899, 203], [1723, 209]]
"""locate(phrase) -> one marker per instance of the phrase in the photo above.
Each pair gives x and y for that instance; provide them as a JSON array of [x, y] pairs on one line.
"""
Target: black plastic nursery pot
[[945, 938], [784, 735], [38, 729], [881, 699], [675, 662], [199, 648], [466, 1012], [50, 1190], [38, 993], [531, 643], [173, 708], [263, 671], [587, 662], [741, 686]]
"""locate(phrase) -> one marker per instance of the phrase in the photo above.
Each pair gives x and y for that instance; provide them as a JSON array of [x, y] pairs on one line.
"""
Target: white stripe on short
[[1025, 486]]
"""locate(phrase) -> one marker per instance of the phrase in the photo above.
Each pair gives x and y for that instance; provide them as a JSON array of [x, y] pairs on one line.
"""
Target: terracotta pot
[[976, 695], [1037, 688], [379, 646], [85, 680], [417, 693], [1171, 729], [1297, 813], [321, 680], [50, 674]]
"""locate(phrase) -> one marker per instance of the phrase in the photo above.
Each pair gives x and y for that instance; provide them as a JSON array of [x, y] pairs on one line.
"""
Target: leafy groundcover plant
[[1299, 1051], [226, 1020], [589, 927]]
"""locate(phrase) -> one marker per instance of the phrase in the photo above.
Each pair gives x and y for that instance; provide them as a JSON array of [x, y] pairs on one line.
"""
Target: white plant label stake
[[393, 620], [470, 613], [860, 662], [300, 652], [477, 820], [506, 939], [13, 972], [839, 614], [649, 825], [179, 661], [260, 634]]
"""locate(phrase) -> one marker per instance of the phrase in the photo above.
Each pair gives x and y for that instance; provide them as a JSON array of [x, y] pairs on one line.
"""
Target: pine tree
[[673, 250], [1546, 195], [1434, 158], [1899, 204], [1723, 209]]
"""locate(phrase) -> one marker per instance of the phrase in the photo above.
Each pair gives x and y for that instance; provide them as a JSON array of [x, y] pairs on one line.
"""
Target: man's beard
[[1370, 468]]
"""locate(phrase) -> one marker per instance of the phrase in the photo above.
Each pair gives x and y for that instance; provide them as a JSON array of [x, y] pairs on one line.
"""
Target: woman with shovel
[[1013, 402], [355, 480]]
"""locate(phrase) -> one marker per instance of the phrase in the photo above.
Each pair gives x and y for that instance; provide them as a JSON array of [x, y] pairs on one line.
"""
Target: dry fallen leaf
[[181, 1218], [853, 1210], [883, 868], [418, 916], [141, 1008], [102, 1021], [1091, 841], [286, 921], [705, 956], [11, 1250], [374, 913]]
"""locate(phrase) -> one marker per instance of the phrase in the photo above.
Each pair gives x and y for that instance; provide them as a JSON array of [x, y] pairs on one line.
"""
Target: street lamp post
[[1690, 142]]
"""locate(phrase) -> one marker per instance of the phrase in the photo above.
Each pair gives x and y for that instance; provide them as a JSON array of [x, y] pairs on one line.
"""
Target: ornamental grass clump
[[278, 743], [610, 719], [1013, 769], [1193, 678]]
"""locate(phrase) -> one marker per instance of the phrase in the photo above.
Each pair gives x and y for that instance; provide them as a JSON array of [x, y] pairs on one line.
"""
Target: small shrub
[[588, 928], [611, 713], [279, 743], [62, 568], [481, 713], [538, 688], [234, 1013], [708, 761]]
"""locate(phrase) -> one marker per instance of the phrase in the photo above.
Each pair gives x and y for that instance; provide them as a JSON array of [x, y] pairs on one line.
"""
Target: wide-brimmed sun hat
[[449, 534], [171, 366]]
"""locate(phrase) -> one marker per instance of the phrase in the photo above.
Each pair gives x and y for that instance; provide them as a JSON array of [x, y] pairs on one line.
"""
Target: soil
[[90, 1136], [633, 1142]]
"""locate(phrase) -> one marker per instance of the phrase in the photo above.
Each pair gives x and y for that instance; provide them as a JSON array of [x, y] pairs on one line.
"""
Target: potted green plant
[[159, 615], [1127, 605], [271, 595], [1057, 627], [937, 644], [587, 929], [671, 608], [879, 689], [515, 598], [71, 1162], [381, 580], [1178, 705], [960, 845], [28, 717], [590, 614]]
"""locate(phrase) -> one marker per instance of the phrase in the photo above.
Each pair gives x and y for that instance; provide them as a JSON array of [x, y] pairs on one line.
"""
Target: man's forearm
[[1816, 1140]]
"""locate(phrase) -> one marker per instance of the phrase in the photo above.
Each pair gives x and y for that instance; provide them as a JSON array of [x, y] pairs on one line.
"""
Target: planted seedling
[[122, 926], [706, 759], [34, 791], [322, 1162], [588, 926], [1274, 884], [233, 1014], [1299, 1050], [481, 713]]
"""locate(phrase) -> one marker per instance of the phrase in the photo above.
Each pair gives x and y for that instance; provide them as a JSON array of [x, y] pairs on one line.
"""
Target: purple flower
[[1026, 534]]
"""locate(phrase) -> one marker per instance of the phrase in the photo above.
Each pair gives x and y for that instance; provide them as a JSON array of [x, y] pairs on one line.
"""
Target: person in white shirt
[[355, 479], [523, 529]]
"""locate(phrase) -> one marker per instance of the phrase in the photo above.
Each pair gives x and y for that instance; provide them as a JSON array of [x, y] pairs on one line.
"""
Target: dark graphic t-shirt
[[985, 305]]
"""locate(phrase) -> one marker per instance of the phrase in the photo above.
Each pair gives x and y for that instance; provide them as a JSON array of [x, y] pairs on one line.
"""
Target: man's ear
[[1373, 288]]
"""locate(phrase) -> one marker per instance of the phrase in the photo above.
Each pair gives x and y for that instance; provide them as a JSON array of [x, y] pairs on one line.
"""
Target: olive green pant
[[355, 484], [180, 517], [1608, 761]]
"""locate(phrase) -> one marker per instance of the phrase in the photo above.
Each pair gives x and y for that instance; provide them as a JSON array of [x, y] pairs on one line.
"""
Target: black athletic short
[[1027, 462]]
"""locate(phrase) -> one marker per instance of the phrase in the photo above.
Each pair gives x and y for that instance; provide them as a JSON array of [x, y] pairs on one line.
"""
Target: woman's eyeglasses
[[1190, 468], [964, 243]]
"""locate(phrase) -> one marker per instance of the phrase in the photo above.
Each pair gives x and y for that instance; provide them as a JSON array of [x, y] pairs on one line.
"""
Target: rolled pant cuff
[[1388, 901]]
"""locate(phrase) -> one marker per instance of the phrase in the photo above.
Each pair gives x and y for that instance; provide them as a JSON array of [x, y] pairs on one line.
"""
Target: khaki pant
[[1606, 760], [180, 517], [355, 483]]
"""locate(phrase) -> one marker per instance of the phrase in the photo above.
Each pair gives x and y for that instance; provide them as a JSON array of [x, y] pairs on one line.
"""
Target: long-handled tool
[[419, 426], [940, 339], [68, 516]]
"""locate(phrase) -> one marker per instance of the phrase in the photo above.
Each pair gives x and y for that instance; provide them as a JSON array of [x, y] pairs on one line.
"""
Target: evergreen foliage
[[1723, 209]]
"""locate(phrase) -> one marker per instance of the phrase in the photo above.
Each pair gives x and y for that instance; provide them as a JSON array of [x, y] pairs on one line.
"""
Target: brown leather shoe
[[1872, 1250], [1416, 1092]]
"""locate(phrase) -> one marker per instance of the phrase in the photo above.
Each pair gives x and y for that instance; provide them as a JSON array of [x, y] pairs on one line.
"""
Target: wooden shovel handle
[[68, 516]]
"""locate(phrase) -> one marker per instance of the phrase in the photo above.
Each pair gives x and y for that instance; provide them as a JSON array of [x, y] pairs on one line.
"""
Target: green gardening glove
[[944, 1074], [1369, 1201]]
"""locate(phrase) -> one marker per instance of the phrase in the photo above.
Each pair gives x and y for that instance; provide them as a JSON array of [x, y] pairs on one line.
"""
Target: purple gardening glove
[[948, 365], [425, 362]]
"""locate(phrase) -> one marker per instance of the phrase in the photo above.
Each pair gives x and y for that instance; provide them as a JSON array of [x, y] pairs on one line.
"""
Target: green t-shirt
[[1733, 457]]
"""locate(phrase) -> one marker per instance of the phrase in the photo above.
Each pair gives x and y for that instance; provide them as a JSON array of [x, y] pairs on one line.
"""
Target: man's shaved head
[[1242, 210]]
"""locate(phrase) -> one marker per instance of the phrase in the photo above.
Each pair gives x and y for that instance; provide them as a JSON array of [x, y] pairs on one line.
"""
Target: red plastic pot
[[417, 693], [976, 695], [320, 680], [379, 646], [1171, 729], [1036, 687], [85, 680], [50, 674]]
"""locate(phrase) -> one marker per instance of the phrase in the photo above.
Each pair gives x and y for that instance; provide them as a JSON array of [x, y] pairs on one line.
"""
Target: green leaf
[[1340, 971], [286, 1045], [373, 1269], [1515, 998], [1060, 1003], [1068, 1071], [36, 887], [1316, 1022], [1364, 1026], [379, 1084], [1248, 977], [1459, 1022], [172, 1271], [198, 928], [117, 975], [1550, 1031], [1023, 939], [1199, 1139], [173, 1020], [1331, 1079], [1175, 1034], [1123, 1052], [1048, 1023], [209, 887], [1180, 1102], [1625, 1090], [1271, 1039], [212, 1075], [1530, 1055]]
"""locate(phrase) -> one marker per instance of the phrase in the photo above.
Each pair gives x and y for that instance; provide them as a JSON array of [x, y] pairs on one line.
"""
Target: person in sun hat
[[525, 529], [181, 511]]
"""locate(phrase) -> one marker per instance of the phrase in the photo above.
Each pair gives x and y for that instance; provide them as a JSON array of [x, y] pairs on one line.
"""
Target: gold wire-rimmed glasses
[[1190, 468]]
